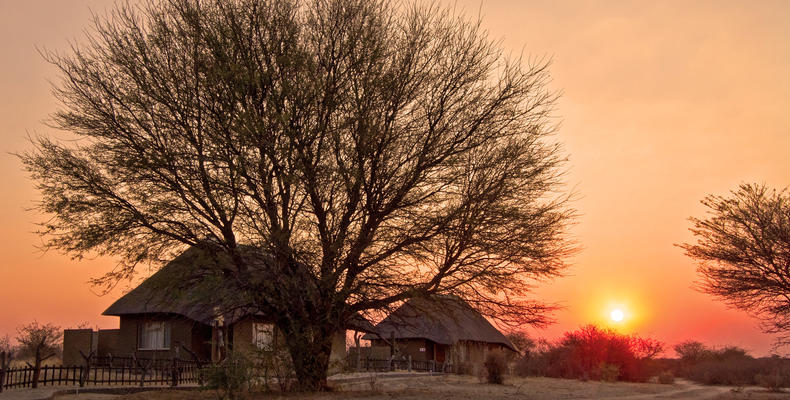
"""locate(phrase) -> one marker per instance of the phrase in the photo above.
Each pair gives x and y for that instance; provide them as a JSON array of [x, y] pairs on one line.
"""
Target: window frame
[[272, 331], [142, 330]]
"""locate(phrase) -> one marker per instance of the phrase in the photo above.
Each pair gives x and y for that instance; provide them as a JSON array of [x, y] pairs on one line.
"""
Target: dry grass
[[752, 394], [444, 387], [22, 362]]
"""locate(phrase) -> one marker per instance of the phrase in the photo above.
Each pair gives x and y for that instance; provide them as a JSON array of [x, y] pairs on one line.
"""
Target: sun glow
[[617, 315]]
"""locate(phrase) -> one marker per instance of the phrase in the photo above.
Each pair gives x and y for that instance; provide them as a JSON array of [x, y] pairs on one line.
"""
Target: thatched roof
[[441, 319], [177, 289]]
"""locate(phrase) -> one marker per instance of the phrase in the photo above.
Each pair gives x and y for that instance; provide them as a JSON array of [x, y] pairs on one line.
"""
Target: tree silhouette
[[743, 250], [370, 152]]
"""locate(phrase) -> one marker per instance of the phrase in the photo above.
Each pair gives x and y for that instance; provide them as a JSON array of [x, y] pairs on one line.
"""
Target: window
[[263, 335], [154, 335]]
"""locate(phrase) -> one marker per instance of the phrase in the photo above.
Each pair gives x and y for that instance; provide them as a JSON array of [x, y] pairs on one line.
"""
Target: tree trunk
[[310, 355], [37, 368]]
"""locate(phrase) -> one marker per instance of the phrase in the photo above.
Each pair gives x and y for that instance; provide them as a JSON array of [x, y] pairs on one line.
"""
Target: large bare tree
[[372, 152], [743, 250]]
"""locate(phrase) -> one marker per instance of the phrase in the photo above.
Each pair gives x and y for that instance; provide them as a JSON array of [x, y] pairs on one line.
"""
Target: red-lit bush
[[593, 353]]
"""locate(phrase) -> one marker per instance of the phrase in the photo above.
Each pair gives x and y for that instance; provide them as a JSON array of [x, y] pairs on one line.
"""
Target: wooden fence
[[104, 371], [371, 364]]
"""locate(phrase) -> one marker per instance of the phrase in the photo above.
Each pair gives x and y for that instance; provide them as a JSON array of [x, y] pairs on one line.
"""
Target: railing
[[371, 364], [101, 371]]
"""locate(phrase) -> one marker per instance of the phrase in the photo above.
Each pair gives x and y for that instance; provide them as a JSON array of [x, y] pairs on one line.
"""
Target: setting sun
[[617, 315]]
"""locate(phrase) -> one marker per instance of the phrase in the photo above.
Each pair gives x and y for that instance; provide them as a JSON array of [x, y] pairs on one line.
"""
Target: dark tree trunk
[[37, 367], [310, 354]]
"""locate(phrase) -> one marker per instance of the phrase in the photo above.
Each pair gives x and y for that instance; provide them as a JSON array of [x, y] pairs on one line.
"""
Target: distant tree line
[[597, 353]]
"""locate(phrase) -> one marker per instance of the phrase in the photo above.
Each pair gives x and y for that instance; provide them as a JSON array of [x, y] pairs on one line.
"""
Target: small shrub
[[496, 367], [608, 372], [464, 368], [666, 378], [275, 367], [231, 378]]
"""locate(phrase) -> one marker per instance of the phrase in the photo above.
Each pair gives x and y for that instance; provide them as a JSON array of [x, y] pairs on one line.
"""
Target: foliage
[[522, 341], [592, 353], [607, 372], [6, 352], [496, 367], [38, 341], [728, 366], [366, 153], [5, 345], [690, 350], [743, 250], [275, 366], [232, 378], [775, 380]]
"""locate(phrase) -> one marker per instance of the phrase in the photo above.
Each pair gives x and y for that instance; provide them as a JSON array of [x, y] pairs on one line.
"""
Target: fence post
[[174, 371], [409, 362], [86, 369], [5, 360]]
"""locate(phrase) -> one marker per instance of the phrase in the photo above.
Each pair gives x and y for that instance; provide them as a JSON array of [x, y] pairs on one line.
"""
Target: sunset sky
[[663, 103]]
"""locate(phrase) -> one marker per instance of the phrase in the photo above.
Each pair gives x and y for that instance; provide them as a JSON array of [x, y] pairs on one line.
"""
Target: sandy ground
[[468, 388]]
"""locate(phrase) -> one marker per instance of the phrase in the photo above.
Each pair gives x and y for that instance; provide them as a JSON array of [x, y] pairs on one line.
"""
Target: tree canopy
[[371, 151], [743, 250]]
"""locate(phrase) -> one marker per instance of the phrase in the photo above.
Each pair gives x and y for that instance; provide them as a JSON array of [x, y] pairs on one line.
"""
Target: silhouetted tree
[[691, 350], [39, 342], [5, 344], [371, 152], [646, 348], [743, 250], [6, 352], [523, 342]]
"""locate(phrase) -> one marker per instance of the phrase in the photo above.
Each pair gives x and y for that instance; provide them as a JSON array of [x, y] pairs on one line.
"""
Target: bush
[[734, 366], [231, 378], [275, 367], [607, 372], [464, 368], [774, 381], [666, 378], [593, 353], [496, 367]]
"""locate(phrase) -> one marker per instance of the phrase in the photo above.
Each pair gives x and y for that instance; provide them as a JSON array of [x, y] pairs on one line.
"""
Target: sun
[[617, 315]]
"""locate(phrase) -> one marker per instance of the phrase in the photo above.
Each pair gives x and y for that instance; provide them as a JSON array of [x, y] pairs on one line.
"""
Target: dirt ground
[[468, 388]]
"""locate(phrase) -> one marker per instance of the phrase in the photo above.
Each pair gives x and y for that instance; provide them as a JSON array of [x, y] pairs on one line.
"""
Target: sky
[[662, 103]]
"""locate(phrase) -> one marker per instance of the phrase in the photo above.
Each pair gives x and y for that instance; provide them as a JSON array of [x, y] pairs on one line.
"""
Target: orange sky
[[664, 102]]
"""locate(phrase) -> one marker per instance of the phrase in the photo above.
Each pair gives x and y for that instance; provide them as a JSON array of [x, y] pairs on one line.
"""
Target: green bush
[[496, 367], [231, 378]]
